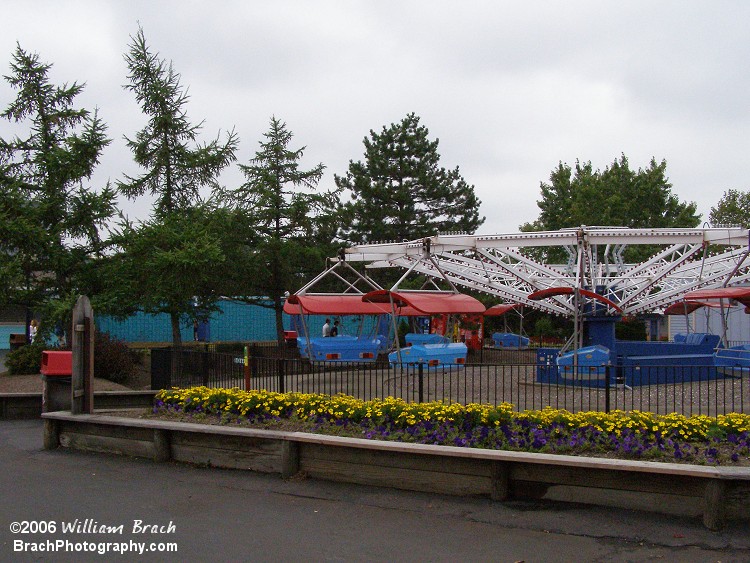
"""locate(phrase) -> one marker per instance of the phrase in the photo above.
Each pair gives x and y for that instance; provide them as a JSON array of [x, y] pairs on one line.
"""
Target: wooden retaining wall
[[713, 493], [16, 406]]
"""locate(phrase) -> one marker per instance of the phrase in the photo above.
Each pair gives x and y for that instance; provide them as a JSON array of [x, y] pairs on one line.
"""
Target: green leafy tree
[[400, 192], [616, 196], [177, 165], [178, 264], [187, 260], [294, 223], [50, 220], [733, 209]]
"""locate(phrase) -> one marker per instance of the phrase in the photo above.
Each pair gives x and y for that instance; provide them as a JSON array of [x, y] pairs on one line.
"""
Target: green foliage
[[49, 220], [616, 196], [177, 166], [176, 262], [630, 329], [401, 193], [403, 329], [733, 209], [113, 359], [293, 224], [26, 360], [544, 327]]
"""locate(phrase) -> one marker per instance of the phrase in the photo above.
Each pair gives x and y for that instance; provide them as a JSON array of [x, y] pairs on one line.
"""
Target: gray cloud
[[510, 89]]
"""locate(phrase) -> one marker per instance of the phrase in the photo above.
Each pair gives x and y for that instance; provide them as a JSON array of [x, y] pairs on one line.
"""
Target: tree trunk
[[278, 308], [176, 336]]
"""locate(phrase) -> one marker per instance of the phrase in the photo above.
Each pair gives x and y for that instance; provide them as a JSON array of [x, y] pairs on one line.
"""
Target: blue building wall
[[235, 321], [6, 330], [239, 321], [142, 327]]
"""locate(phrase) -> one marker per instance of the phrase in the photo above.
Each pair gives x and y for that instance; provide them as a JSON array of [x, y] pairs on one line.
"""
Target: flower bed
[[699, 439]]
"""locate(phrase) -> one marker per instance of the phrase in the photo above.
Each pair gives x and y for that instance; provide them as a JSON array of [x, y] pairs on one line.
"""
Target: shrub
[[113, 359], [26, 360]]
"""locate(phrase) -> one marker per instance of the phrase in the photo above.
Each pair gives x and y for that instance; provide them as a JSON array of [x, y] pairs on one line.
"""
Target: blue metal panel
[[242, 322], [142, 327], [6, 331]]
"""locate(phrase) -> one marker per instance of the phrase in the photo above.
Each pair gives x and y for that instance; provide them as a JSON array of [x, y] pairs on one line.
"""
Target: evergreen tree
[[293, 222], [175, 263], [733, 209], [177, 167], [400, 192], [49, 220]]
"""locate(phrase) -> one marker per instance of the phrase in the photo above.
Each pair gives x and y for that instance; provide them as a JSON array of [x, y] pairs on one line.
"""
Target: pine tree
[[177, 167], [293, 222], [49, 220], [400, 192]]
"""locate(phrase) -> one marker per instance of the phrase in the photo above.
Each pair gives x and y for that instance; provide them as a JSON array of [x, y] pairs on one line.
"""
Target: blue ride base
[[694, 357]]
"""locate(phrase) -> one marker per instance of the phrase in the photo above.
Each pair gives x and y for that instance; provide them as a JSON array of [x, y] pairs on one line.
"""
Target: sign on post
[[82, 379]]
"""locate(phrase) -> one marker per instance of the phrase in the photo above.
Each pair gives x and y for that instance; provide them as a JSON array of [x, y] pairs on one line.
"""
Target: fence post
[[281, 372], [420, 377], [607, 375], [161, 368], [246, 368], [204, 359]]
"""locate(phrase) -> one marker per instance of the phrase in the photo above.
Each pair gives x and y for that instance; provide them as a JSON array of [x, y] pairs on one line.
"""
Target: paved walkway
[[215, 514]]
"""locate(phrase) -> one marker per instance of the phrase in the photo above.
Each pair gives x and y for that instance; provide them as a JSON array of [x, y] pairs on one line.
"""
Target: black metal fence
[[503, 376]]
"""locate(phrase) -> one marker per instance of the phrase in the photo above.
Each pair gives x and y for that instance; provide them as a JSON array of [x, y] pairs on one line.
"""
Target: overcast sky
[[509, 88]]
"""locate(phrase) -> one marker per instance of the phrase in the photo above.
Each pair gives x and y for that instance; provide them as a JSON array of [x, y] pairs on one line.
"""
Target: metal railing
[[684, 389]]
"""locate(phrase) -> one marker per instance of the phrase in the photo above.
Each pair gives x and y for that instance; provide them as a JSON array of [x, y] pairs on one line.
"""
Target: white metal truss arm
[[593, 235], [475, 278], [642, 279], [711, 273]]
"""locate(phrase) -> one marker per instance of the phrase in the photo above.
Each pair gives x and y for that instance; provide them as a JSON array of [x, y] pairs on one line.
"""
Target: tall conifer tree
[[49, 218], [400, 192], [177, 167], [294, 223]]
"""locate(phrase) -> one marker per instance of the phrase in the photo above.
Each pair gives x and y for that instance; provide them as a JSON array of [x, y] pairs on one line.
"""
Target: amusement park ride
[[595, 286]]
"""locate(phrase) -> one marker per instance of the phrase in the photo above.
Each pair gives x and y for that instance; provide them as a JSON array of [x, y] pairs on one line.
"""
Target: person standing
[[33, 329], [327, 328], [335, 329]]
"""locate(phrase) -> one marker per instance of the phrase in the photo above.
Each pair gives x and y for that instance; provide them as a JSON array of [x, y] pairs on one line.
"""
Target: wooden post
[[499, 487], [82, 380], [246, 368], [162, 445], [51, 434], [714, 499], [289, 459]]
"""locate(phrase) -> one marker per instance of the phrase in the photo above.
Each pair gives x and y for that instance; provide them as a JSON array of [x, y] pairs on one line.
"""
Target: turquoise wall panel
[[142, 327], [5, 331]]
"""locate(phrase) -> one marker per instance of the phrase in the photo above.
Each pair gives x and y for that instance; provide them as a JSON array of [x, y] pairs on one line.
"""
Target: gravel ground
[[516, 384], [33, 383], [511, 382]]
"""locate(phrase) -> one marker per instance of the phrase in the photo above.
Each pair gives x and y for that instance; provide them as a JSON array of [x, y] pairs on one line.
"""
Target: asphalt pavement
[[108, 503]]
